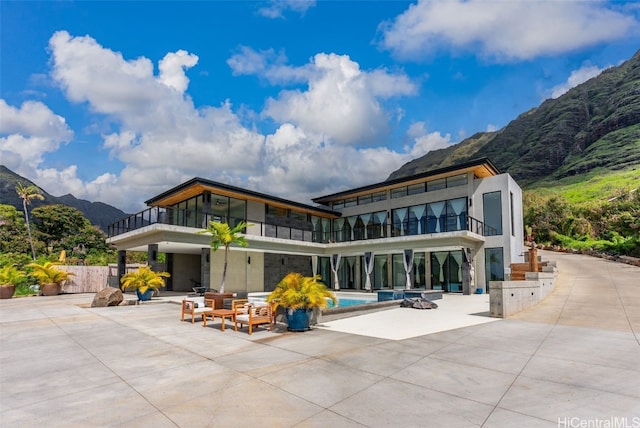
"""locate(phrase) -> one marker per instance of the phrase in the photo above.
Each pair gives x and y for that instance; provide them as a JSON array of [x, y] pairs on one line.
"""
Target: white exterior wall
[[511, 239]]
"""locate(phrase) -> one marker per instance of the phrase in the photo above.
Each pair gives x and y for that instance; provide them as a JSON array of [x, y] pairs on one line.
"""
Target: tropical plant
[[222, 235], [10, 278], [11, 275], [143, 279], [296, 291], [27, 194], [47, 273]]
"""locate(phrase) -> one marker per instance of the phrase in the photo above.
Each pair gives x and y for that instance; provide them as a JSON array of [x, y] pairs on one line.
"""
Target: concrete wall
[[186, 272], [509, 297]]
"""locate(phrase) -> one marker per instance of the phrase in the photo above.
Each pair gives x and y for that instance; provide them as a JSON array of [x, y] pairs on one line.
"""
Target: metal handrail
[[200, 220]]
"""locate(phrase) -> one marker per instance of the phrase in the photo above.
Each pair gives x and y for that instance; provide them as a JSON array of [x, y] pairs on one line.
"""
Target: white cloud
[[277, 8], [301, 165], [503, 30], [491, 128], [341, 101], [28, 133], [424, 141], [172, 69], [162, 139], [576, 77]]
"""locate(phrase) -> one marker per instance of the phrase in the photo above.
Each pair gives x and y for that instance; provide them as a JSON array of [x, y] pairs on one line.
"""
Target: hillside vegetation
[[578, 159]]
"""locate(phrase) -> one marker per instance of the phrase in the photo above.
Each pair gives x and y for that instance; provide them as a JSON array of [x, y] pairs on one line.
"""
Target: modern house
[[452, 229]]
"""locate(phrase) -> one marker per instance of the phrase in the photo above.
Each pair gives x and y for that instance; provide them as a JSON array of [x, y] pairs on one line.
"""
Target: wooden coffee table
[[222, 313]]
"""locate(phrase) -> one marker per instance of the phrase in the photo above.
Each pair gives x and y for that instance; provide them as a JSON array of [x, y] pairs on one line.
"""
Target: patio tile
[[594, 376], [500, 418], [321, 382], [378, 360], [252, 403], [552, 400], [485, 357], [377, 407], [461, 380]]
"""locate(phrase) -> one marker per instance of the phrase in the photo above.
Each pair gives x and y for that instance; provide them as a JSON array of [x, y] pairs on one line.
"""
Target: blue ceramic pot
[[298, 319], [146, 295]]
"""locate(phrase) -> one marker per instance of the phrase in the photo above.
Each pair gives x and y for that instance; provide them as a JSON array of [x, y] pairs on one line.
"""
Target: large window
[[446, 271], [347, 273], [493, 265], [492, 212], [380, 272], [399, 275]]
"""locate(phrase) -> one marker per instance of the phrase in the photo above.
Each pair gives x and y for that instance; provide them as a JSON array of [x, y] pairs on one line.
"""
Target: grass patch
[[597, 185]]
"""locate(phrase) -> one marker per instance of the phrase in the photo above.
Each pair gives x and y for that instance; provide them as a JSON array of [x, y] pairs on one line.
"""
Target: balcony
[[199, 220]]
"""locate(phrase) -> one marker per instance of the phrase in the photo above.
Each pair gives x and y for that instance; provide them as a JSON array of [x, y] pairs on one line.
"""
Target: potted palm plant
[[300, 295], [10, 276], [144, 281], [49, 277]]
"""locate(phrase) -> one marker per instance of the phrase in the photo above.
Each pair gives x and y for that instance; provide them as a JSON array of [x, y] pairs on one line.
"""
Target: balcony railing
[[187, 218]]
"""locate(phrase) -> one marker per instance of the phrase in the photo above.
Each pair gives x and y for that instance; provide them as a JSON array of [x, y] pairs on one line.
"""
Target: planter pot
[[298, 319], [6, 291], [50, 289], [146, 295]]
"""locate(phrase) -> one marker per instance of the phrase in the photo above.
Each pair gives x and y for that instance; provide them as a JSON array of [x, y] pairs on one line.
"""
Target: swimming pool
[[351, 301]]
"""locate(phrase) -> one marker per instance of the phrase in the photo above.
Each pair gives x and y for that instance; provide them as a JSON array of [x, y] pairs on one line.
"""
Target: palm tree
[[223, 235], [28, 193]]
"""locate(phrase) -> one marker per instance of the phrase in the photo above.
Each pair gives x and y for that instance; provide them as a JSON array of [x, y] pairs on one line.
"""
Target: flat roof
[[196, 186], [482, 167]]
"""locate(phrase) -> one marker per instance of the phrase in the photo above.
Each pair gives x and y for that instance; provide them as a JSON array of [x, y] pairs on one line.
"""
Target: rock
[[418, 303], [108, 296]]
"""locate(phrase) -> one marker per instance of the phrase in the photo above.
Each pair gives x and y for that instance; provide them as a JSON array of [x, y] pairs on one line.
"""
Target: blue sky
[[118, 101]]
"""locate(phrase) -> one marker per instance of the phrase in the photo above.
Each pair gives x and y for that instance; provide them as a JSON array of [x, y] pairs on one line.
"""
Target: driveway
[[573, 360]]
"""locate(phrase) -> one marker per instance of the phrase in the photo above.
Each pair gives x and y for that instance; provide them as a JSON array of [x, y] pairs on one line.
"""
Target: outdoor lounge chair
[[195, 307], [253, 314]]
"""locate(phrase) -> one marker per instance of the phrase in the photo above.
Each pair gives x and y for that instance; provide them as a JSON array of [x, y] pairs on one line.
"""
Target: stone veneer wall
[[276, 266]]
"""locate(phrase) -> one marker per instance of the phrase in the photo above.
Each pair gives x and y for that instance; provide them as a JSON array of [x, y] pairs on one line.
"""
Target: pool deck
[[572, 359]]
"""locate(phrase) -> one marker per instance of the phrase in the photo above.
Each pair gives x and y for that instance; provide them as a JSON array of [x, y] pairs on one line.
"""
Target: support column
[[152, 257], [205, 267], [466, 271], [122, 265]]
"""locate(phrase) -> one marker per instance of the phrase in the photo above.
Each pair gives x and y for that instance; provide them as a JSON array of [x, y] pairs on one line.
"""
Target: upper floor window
[[436, 185], [398, 192], [492, 213], [414, 189], [277, 211], [458, 180]]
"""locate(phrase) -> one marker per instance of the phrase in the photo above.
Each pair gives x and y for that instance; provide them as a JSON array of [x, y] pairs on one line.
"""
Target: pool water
[[342, 302]]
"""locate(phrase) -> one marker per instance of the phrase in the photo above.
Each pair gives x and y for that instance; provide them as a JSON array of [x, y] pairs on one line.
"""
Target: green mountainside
[[98, 213], [594, 127]]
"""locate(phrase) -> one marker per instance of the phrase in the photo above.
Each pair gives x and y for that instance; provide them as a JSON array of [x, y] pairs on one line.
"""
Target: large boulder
[[109, 296]]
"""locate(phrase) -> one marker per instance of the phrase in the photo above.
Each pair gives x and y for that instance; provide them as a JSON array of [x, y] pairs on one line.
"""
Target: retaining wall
[[509, 297]]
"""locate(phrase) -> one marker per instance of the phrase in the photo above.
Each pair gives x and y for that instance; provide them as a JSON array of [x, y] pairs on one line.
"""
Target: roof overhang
[[198, 186], [481, 168]]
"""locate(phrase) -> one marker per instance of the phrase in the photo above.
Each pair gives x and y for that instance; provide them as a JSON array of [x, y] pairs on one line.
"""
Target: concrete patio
[[574, 357]]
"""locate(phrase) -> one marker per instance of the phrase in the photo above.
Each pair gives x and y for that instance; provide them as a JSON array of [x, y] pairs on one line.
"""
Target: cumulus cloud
[[28, 133], [576, 77], [424, 141], [277, 8], [341, 101], [503, 30], [301, 165], [162, 139], [172, 68]]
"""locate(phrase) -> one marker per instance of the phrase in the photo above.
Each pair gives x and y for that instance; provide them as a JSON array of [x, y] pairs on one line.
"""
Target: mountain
[[595, 125], [98, 213]]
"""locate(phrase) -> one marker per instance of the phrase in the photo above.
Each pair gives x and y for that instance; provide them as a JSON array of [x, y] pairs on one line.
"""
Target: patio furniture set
[[242, 312]]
